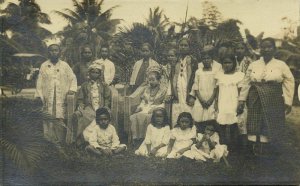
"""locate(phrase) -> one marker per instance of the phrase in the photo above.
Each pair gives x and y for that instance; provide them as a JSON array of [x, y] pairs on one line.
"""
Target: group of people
[[198, 109]]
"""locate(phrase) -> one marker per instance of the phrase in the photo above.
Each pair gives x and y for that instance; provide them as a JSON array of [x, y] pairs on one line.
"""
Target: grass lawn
[[81, 169]]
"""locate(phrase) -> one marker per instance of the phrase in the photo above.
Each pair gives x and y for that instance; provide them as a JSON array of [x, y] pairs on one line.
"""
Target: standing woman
[[182, 81], [138, 76], [268, 89], [243, 61]]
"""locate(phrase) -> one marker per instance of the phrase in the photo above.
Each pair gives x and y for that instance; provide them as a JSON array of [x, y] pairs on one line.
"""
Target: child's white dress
[[228, 96], [102, 138], [183, 139], [205, 82], [155, 137], [215, 154]]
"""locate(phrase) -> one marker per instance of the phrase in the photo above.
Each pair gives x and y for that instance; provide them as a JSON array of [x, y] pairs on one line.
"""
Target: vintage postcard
[[150, 92]]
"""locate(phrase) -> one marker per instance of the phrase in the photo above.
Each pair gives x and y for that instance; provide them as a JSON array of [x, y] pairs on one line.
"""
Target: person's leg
[[92, 150], [234, 136], [222, 129], [119, 149]]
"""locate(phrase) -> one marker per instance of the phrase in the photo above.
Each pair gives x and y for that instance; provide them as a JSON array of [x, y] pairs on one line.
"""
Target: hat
[[95, 66], [155, 68]]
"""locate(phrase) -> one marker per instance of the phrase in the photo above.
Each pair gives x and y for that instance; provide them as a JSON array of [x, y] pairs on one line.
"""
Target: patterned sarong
[[266, 112]]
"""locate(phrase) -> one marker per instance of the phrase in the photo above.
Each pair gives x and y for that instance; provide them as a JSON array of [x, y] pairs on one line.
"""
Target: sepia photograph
[[149, 92]]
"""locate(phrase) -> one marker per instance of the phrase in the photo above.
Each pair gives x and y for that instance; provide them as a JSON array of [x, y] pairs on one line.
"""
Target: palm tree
[[88, 24], [23, 21], [157, 23]]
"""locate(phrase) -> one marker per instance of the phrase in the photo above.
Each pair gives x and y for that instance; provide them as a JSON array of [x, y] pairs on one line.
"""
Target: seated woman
[[93, 94], [152, 97], [102, 136]]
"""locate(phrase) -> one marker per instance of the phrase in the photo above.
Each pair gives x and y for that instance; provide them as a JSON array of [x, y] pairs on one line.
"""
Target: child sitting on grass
[[102, 136], [157, 135], [208, 147], [183, 135]]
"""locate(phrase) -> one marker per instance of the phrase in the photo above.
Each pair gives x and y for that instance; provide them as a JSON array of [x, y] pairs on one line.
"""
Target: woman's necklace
[[154, 91]]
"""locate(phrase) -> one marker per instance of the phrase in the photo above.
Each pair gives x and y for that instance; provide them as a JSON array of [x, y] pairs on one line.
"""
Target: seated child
[[208, 147], [102, 136], [92, 95], [157, 135], [183, 135]]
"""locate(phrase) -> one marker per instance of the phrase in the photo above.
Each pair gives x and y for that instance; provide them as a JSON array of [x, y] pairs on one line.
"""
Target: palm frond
[[44, 18], [69, 18], [74, 14], [79, 8]]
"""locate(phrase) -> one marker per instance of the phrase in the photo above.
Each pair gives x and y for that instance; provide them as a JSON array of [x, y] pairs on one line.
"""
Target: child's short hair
[[102, 111], [212, 125], [231, 57], [164, 111], [185, 115]]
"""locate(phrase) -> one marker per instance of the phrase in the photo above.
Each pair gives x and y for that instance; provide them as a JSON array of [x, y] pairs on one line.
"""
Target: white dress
[[183, 139], [182, 81], [205, 82], [228, 96], [155, 137], [215, 154]]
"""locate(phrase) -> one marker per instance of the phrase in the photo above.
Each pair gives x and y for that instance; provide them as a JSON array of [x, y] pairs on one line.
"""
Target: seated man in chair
[[93, 94]]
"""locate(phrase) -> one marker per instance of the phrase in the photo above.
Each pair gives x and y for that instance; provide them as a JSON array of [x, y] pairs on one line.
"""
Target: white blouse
[[274, 70]]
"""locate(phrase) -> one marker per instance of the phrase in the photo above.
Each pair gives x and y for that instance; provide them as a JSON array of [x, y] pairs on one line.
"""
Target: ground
[[75, 167]]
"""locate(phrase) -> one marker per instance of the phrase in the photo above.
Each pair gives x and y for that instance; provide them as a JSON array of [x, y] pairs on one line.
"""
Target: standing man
[[56, 79], [107, 66], [81, 68]]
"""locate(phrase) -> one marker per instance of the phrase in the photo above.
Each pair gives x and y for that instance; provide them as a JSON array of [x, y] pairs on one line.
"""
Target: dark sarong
[[266, 112]]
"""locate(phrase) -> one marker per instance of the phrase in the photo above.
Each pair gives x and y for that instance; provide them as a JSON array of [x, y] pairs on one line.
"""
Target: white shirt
[[108, 69], [274, 70], [102, 138]]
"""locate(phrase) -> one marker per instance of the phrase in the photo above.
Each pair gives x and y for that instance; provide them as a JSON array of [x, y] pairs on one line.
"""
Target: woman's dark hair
[[247, 52], [102, 111], [84, 47], [164, 111], [271, 40], [157, 74], [185, 115]]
